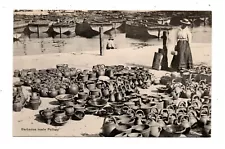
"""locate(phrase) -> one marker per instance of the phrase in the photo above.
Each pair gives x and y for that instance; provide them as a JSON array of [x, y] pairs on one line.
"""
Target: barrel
[[156, 64]]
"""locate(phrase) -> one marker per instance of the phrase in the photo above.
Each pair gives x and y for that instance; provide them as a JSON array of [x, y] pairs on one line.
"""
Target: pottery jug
[[84, 78], [62, 91], [109, 73], [79, 114], [17, 106], [100, 72], [143, 129], [96, 93], [69, 110], [207, 129], [53, 93], [44, 92], [35, 96], [47, 114], [91, 85], [118, 97], [111, 97], [82, 95], [155, 129], [185, 121], [108, 126], [59, 114], [73, 89], [34, 104], [105, 92]]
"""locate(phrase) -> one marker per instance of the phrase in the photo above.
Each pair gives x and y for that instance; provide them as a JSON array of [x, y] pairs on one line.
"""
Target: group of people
[[182, 56]]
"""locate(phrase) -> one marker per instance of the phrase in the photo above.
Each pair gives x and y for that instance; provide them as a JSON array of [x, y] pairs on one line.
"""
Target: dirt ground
[[26, 123]]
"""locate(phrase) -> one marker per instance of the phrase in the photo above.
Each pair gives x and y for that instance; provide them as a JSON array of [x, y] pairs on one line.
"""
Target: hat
[[185, 21]]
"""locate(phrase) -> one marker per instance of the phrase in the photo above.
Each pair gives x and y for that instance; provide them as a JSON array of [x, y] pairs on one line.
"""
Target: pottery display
[[182, 102]]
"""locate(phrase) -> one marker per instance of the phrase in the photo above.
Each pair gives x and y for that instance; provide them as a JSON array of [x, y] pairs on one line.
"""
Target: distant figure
[[110, 43], [182, 58], [164, 63]]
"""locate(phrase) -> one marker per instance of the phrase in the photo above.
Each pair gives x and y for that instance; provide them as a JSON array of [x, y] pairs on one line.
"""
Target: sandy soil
[[26, 119]]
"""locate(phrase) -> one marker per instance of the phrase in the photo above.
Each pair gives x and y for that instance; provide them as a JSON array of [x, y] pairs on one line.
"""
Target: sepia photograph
[[112, 73]]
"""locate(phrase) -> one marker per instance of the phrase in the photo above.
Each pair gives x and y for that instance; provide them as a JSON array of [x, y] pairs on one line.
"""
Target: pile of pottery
[[161, 116], [65, 80]]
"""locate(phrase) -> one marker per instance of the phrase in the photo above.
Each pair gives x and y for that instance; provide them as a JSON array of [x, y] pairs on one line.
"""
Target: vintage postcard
[[98, 73]]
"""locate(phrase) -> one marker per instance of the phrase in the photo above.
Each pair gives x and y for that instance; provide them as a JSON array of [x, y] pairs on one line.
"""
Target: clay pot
[[69, 110], [96, 93], [109, 73], [84, 78], [118, 97], [17, 106], [78, 115], [35, 96], [59, 114], [91, 85], [82, 95], [112, 97], [100, 72], [155, 130], [47, 114], [105, 92], [34, 104], [108, 126], [53, 93], [143, 129], [62, 91], [44, 92], [73, 89], [16, 73], [91, 75]]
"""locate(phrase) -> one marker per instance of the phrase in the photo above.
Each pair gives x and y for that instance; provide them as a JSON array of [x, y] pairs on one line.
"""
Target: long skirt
[[164, 64], [183, 59]]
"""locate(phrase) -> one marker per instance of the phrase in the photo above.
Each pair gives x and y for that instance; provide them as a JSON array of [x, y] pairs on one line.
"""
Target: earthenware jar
[[143, 129], [112, 97], [73, 89], [62, 91], [91, 75], [53, 92], [108, 126], [105, 92], [35, 96], [44, 92], [82, 95], [78, 114], [35, 103], [155, 129], [17, 106], [118, 96], [96, 93], [59, 114], [69, 110], [47, 114], [109, 73], [16, 73], [91, 85], [100, 72], [207, 129], [204, 117]]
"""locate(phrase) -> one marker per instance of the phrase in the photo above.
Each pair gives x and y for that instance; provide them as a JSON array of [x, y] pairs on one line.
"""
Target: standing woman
[[182, 58]]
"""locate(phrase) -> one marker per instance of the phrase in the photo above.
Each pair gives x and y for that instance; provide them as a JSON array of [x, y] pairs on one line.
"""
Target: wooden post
[[159, 30], [60, 32], [101, 40], [38, 30]]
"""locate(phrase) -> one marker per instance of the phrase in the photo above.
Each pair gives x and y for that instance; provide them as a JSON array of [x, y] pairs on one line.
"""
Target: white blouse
[[184, 34]]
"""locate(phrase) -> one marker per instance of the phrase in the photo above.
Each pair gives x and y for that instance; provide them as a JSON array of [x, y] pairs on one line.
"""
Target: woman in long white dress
[[183, 57]]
